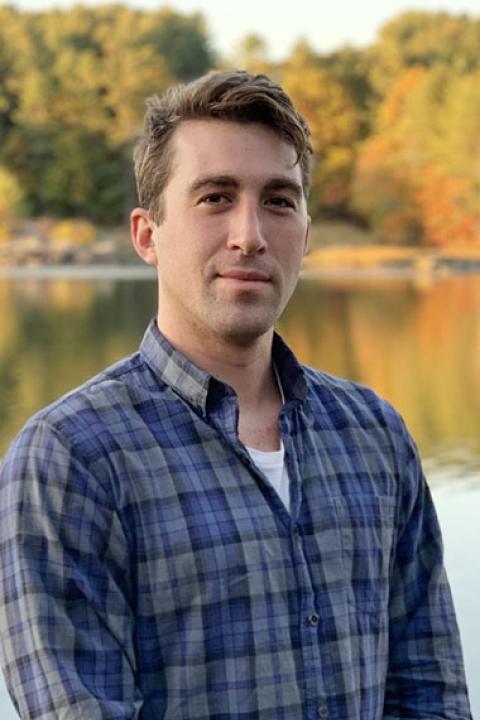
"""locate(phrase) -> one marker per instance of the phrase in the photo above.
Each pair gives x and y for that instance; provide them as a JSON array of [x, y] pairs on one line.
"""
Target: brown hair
[[236, 96]]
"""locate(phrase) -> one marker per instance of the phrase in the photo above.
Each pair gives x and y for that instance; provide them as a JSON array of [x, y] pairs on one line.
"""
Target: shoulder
[[84, 421], [342, 396], [343, 405], [109, 388]]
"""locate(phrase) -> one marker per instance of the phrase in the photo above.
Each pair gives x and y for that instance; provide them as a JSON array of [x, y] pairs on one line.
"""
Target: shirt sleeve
[[66, 618], [426, 676]]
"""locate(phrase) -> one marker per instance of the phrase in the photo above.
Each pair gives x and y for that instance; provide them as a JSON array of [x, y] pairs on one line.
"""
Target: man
[[207, 529]]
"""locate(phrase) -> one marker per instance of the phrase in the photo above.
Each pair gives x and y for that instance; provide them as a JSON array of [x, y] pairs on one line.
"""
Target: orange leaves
[[393, 108], [333, 121], [383, 191], [324, 104], [443, 202], [416, 179]]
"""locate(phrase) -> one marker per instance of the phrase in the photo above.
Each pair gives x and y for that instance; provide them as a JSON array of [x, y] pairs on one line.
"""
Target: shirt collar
[[197, 386]]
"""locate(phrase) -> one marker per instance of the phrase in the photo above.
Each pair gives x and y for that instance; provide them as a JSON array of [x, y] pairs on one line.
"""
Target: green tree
[[12, 38], [251, 54], [351, 67], [427, 39], [333, 121], [11, 195], [183, 41], [72, 89]]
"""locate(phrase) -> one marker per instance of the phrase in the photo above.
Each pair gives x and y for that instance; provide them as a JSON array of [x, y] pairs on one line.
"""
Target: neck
[[247, 368]]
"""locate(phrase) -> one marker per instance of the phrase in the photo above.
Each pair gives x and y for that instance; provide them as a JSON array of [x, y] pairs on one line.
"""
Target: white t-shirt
[[272, 464]]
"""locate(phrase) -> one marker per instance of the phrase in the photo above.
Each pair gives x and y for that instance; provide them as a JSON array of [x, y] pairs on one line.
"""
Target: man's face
[[229, 247]]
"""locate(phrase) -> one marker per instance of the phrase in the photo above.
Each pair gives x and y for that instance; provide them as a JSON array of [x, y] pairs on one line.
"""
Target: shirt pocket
[[367, 528]]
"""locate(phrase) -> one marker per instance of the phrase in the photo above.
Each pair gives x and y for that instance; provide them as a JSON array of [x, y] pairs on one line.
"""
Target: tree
[[72, 90], [11, 195], [252, 54], [351, 67], [182, 40], [12, 39], [427, 39], [333, 121], [418, 177]]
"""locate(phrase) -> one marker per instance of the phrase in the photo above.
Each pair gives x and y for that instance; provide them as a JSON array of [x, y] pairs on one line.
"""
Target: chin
[[246, 331]]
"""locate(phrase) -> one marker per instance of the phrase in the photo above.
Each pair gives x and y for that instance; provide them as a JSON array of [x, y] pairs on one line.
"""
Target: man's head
[[235, 96], [222, 173]]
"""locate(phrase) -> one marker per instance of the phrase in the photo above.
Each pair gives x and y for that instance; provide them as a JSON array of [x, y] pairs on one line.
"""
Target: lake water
[[416, 342]]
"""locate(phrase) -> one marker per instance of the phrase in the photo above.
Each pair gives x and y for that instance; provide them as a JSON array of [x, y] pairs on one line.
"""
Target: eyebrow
[[285, 183], [219, 181], [205, 181]]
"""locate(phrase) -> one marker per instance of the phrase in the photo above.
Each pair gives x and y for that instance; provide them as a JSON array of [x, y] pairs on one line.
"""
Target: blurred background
[[389, 296]]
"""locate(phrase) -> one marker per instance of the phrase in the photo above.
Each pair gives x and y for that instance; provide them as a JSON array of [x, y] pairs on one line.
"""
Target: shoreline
[[338, 250], [310, 271], [79, 272], [392, 260]]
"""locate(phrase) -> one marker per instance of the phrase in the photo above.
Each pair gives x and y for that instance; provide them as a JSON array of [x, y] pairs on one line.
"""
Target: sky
[[325, 25]]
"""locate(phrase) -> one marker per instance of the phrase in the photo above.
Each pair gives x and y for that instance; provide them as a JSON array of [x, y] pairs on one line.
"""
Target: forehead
[[244, 150]]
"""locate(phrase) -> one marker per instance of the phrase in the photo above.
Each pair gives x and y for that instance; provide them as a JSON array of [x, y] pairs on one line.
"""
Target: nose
[[246, 232]]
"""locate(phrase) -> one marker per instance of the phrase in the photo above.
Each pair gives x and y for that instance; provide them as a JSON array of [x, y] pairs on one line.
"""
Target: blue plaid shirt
[[149, 570]]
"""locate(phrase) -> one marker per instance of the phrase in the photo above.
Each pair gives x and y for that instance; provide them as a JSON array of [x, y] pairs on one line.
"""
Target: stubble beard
[[243, 320], [234, 319]]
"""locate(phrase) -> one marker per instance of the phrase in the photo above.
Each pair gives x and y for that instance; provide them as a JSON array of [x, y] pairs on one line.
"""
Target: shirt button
[[322, 711], [313, 620]]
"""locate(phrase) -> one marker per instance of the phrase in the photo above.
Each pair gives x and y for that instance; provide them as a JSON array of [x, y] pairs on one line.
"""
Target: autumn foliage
[[333, 121], [417, 175], [395, 126]]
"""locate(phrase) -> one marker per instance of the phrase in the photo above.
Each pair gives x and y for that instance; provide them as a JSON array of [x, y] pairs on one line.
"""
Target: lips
[[245, 275]]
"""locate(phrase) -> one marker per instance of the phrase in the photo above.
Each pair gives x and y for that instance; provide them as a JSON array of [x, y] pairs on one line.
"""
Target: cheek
[[290, 254], [291, 264], [171, 270], [183, 271]]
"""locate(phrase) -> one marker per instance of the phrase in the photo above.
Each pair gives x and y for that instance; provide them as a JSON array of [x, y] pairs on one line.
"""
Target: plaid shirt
[[149, 570]]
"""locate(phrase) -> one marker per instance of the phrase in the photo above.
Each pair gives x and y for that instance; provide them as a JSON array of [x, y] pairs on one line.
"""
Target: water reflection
[[56, 333]]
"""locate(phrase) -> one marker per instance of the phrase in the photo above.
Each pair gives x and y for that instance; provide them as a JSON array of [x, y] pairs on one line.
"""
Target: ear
[[141, 231], [306, 247]]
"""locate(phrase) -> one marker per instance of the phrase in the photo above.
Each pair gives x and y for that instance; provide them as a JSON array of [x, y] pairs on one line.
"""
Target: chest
[[204, 528]]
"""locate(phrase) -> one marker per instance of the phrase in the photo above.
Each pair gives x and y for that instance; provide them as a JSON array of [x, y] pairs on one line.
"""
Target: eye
[[280, 201], [214, 199]]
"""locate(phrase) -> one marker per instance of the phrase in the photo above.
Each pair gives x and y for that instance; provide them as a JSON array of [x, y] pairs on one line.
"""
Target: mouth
[[240, 276]]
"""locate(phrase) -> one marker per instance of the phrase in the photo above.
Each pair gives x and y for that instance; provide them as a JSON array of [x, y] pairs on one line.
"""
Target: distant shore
[[392, 260], [336, 249], [135, 271], [83, 244]]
